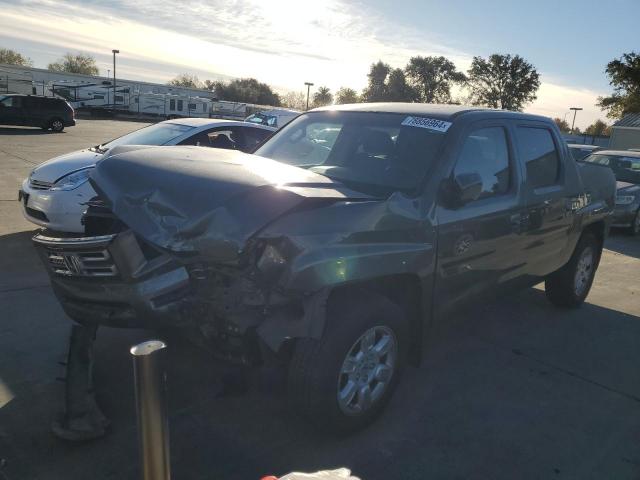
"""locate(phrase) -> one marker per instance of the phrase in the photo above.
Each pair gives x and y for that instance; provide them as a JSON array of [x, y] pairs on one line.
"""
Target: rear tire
[[56, 125], [569, 286], [343, 381]]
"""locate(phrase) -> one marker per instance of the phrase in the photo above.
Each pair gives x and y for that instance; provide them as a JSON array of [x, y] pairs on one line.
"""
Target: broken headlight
[[271, 262], [72, 180]]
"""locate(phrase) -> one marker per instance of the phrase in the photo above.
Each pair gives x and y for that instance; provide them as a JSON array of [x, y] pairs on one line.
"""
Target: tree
[[322, 97], [598, 129], [624, 77], [433, 77], [346, 95], [78, 63], [295, 100], [186, 80], [576, 131], [502, 81], [398, 90], [376, 90], [563, 125], [11, 57], [247, 90]]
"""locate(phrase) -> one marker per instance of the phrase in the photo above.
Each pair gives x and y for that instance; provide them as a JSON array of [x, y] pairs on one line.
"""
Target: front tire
[[343, 381], [634, 229], [56, 125], [569, 286]]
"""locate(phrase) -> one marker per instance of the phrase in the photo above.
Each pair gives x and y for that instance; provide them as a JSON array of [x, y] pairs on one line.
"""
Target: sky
[[332, 42]]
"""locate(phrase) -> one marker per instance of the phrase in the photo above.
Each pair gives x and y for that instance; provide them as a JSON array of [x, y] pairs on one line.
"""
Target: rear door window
[[540, 156]]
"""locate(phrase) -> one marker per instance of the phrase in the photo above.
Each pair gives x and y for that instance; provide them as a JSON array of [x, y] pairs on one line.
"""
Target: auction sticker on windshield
[[430, 123]]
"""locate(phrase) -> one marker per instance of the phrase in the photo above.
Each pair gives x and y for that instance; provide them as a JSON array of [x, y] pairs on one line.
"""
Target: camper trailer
[[170, 106], [15, 80], [86, 94]]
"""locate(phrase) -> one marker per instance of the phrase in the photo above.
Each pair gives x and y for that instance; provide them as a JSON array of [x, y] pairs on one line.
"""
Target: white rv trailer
[[16, 80], [170, 106], [84, 94]]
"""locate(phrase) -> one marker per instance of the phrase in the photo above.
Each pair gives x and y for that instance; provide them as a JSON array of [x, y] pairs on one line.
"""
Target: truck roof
[[440, 111], [619, 153]]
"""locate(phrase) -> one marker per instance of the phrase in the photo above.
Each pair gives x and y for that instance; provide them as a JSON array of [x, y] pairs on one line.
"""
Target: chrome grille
[[79, 257], [40, 185], [94, 263]]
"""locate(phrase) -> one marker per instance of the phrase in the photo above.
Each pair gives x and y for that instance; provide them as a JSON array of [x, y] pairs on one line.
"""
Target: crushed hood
[[205, 201]]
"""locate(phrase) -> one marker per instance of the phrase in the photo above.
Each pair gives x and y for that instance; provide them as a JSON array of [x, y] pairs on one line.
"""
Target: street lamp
[[309, 85], [575, 111], [114, 74]]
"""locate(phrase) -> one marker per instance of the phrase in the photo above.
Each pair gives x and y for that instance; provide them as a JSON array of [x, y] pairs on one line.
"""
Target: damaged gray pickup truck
[[339, 243]]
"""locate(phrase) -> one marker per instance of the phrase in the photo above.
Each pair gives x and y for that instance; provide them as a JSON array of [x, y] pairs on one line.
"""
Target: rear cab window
[[539, 154]]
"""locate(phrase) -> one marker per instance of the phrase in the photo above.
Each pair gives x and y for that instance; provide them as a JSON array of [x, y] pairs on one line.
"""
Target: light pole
[[309, 85], [114, 74], [575, 111]]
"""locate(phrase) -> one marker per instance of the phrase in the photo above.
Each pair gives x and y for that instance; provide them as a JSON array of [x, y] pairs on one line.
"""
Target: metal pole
[[575, 111], [114, 75], [151, 406], [309, 85]]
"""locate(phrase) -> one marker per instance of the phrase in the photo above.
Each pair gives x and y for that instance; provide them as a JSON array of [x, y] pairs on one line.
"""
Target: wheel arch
[[405, 290]]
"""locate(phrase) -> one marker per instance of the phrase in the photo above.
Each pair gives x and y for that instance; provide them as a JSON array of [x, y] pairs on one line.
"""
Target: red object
[[269, 477]]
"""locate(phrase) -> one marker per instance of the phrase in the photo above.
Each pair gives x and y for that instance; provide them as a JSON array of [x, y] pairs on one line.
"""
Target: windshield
[[158, 134], [626, 169], [262, 119], [362, 149]]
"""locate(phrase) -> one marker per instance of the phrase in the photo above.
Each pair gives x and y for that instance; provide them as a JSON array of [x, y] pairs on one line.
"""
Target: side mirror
[[461, 189], [469, 186]]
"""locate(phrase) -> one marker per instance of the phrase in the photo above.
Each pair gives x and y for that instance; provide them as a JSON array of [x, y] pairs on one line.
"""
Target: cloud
[[554, 100], [283, 43]]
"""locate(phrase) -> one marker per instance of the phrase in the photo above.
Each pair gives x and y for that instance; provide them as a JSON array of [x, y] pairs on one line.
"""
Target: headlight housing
[[271, 262], [625, 199], [73, 180]]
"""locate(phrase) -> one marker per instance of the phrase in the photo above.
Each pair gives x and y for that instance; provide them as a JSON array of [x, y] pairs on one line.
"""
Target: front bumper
[[118, 280], [55, 210], [624, 215], [108, 280]]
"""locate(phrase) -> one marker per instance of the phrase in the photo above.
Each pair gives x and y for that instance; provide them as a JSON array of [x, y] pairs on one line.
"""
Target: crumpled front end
[[119, 280]]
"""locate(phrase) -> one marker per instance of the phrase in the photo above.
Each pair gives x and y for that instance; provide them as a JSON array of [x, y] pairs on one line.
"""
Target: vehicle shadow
[[496, 381], [20, 266], [621, 242], [25, 131]]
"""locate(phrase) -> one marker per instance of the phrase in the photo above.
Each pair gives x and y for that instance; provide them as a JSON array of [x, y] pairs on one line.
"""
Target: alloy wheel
[[584, 271], [367, 370]]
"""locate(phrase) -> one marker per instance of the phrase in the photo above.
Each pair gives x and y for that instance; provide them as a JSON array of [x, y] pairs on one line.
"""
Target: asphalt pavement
[[512, 389]]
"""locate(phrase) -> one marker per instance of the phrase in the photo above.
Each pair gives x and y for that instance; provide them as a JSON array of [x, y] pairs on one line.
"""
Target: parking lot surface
[[514, 389]]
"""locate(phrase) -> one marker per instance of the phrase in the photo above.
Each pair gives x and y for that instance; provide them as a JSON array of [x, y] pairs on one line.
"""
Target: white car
[[278, 117], [55, 193]]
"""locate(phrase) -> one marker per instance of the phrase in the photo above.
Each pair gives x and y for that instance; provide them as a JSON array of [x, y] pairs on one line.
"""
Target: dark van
[[34, 111]]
